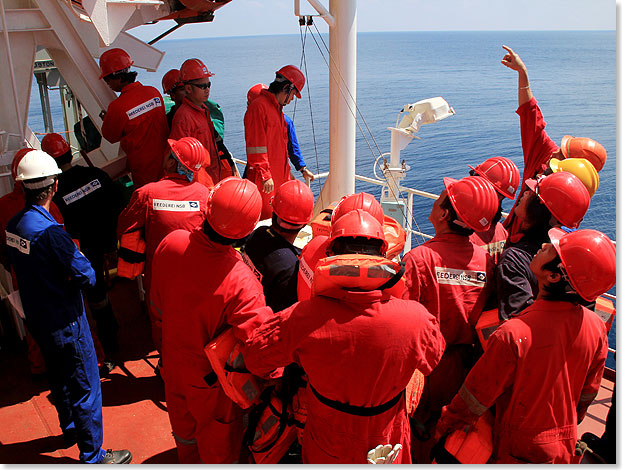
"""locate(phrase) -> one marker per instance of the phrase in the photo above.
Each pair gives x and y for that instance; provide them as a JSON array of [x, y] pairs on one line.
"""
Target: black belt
[[357, 410]]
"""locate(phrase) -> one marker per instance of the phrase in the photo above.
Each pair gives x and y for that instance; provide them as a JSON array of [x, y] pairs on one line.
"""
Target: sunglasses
[[202, 86]]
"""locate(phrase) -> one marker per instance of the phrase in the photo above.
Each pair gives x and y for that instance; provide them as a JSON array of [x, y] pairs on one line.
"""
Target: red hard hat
[[294, 76], [364, 201], [589, 259], [170, 80], [233, 207], [474, 199], [584, 147], [55, 145], [293, 203], [189, 152], [357, 223], [193, 69], [113, 60], [16, 159], [502, 173], [255, 91], [564, 195]]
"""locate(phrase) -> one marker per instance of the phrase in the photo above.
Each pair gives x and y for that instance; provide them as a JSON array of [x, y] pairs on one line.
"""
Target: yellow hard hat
[[581, 168]]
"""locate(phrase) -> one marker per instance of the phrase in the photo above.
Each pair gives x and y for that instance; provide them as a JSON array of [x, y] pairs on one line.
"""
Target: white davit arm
[[424, 112]]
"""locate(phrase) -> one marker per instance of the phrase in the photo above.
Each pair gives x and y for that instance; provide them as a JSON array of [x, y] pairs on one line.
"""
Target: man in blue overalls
[[50, 273]]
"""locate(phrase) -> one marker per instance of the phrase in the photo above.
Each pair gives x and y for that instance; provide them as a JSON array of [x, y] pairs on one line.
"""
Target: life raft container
[[354, 271], [320, 224], [131, 255], [474, 446], [225, 357], [395, 235]]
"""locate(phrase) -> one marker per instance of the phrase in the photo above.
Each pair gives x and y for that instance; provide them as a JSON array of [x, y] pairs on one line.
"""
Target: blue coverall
[[293, 149], [51, 272]]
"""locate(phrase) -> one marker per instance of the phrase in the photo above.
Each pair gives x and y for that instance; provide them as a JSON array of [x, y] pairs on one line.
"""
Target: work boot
[[117, 456]]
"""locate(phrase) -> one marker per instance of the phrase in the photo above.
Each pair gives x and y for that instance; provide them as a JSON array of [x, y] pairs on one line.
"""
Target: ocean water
[[572, 75]]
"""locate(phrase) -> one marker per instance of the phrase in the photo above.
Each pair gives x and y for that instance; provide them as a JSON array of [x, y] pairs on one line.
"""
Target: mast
[[342, 28]]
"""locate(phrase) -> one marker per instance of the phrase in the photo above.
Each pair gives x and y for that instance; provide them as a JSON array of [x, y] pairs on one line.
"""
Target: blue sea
[[572, 75]]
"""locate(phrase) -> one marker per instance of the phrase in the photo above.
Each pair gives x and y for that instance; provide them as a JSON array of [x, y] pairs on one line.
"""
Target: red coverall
[[541, 369], [192, 121], [137, 119], [452, 278], [159, 208], [537, 149], [313, 252], [360, 349], [265, 131], [201, 287], [493, 240]]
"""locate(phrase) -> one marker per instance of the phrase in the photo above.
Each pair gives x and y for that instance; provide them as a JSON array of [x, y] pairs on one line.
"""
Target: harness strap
[[396, 277], [357, 410]]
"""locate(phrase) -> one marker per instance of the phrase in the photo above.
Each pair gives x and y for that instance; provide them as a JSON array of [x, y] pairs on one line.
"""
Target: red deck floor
[[134, 410]]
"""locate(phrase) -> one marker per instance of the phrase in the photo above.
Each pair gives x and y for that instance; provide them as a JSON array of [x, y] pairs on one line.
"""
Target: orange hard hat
[[357, 223], [113, 60], [564, 195], [193, 69], [584, 147], [170, 81], [255, 91], [294, 75], [233, 207], [502, 173], [589, 259], [581, 168], [190, 152], [474, 199], [293, 203], [16, 159], [364, 201], [55, 145]]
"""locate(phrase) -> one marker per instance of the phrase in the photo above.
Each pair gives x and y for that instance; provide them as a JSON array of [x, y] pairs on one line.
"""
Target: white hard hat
[[37, 164]]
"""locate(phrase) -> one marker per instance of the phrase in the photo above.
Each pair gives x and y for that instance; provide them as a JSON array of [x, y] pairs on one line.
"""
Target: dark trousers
[[73, 376]]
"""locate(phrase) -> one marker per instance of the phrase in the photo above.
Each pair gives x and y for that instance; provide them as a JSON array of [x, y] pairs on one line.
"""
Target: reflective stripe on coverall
[[138, 120], [360, 349], [51, 272], [193, 121], [160, 208], [541, 369], [201, 287], [537, 149], [266, 137]]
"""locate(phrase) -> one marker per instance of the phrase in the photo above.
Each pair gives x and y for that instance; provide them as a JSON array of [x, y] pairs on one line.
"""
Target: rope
[[303, 60], [408, 215]]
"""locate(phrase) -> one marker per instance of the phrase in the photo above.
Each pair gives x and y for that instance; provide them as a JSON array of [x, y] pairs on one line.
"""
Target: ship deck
[[134, 409]]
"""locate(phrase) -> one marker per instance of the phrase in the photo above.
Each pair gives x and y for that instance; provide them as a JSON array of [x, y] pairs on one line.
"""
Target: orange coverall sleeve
[[134, 215]]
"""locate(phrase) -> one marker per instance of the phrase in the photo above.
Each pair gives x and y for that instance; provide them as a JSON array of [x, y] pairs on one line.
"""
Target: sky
[[263, 17]]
